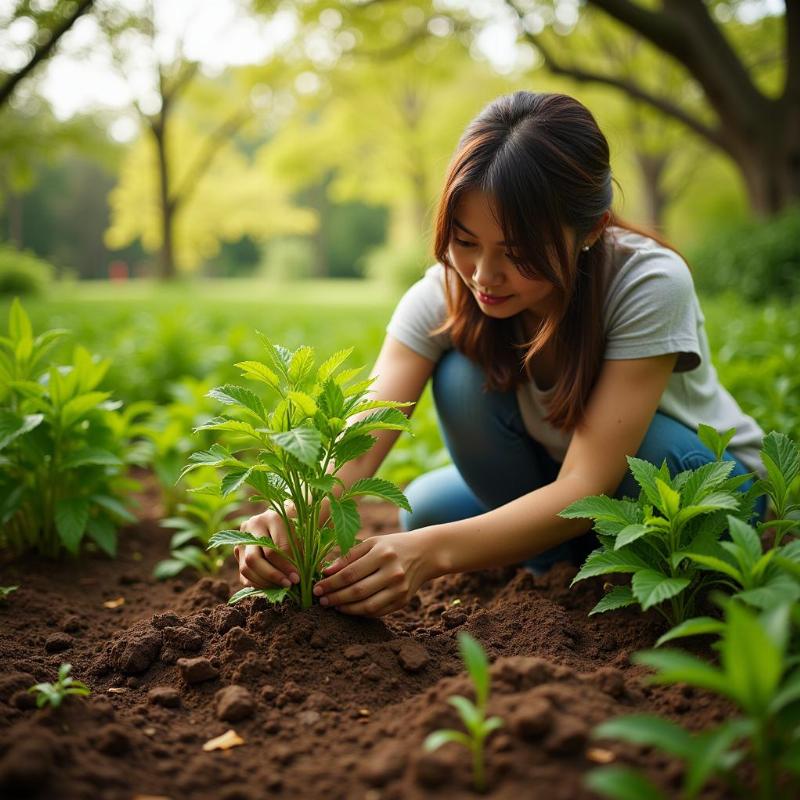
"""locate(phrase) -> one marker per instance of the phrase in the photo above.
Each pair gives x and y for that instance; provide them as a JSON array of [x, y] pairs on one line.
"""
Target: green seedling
[[781, 459], [64, 447], [54, 693], [320, 419], [759, 675], [5, 591], [473, 715], [669, 537], [202, 515]]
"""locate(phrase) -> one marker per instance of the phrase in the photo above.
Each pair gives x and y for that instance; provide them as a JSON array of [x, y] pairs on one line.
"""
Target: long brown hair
[[544, 162]]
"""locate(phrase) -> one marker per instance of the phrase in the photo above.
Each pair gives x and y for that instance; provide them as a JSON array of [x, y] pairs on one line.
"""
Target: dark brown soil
[[327, 705]]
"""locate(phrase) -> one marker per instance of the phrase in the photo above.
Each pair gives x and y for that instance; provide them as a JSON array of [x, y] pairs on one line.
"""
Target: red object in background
[[118, 271]]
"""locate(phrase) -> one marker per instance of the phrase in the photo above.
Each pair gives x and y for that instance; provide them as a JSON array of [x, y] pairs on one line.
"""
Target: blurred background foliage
[[175, 174]]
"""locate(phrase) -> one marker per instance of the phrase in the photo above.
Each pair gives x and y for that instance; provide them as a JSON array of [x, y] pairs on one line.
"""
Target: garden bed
[[329, 706]]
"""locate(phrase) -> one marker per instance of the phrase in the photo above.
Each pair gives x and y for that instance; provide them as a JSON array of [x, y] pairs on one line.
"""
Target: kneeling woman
[[559, 340]]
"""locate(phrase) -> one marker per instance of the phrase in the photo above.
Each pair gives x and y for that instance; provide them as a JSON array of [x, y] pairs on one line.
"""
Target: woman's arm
[[382, 573]]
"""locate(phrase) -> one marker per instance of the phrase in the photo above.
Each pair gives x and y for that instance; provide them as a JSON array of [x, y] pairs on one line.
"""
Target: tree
[[50, 25], [755, 117]]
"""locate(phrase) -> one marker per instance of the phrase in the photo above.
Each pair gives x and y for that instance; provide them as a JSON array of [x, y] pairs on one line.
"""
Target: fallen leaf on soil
[[600, 756], [120, 601], [225, 742], [116, 690]]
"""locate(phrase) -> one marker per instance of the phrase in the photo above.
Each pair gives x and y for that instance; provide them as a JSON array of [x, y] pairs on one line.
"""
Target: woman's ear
[[597, 231]]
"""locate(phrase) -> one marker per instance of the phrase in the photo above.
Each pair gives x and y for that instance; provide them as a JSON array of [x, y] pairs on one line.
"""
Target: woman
[[559, 340]]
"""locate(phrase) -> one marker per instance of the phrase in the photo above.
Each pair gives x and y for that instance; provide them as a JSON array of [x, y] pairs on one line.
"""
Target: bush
[[22, 273], [757, 260], [401, 266]]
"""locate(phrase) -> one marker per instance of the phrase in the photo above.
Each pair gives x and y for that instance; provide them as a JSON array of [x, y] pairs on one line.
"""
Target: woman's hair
[[544, 163]]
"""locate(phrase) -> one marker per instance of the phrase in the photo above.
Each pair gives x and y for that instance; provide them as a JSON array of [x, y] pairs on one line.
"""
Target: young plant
[[202, 515], [781, 459], [321, 419], [54, 693], [651, 537], [759, 675], [5, 591], [63, 447], [473, 715]]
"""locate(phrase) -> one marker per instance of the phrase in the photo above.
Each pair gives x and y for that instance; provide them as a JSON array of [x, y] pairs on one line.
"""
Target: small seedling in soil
[[319, 422], [5, 591], [54, 693], [473, 715]]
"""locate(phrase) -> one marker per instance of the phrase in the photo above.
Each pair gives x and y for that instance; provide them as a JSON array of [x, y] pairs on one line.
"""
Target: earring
[[585, 248]]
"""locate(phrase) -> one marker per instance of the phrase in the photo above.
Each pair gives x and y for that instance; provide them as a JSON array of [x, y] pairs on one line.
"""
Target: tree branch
[[791, 89], [42, 51]]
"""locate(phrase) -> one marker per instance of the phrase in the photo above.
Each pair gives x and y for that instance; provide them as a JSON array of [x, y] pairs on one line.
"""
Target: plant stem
[[478, 771]]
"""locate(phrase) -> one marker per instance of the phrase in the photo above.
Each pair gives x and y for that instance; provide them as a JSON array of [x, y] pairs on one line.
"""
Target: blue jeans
[[495, 460]]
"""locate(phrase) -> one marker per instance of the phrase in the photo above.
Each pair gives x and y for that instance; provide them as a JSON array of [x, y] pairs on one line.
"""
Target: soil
[[327, 705]]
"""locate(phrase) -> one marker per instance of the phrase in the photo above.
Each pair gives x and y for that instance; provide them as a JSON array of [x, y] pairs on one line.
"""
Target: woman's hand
[[262, 567], [377, 576]]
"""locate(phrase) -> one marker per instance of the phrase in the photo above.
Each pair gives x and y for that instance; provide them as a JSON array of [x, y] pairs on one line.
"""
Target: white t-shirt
[[650, 309]]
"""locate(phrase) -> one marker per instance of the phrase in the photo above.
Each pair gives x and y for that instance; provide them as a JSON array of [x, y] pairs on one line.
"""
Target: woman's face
[[487, 265]]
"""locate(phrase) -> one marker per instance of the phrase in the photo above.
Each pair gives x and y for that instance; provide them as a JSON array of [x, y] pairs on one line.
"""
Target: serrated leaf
[[378, 487], [256, 371], [324, 484], [233, 480], [303, 442], [715, 563], [222, 538], [783, 453], [645, 474], [331, 399], [277, 357], [599, 507], [71, 516], [669, 499], [346, 523], [351, 447], [630, 533], [604, 562], [650, 587], [304, 402], [301, 365], [383, 419], [330, 365], [232, 395], [715, 441], [276, 595], [715, 501], [12, 426], [705, 479], [231, 426], [747, 540], [618, 597]]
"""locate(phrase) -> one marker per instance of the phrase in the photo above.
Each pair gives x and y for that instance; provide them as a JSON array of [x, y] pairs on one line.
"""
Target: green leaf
[[436, 739], [168, 568], [304, 402], [669, 499], [651, 588], [622, 783], [675, 666], [469, 713], [784, 453], [256, 371], [383, 419], [324, 484], [90, 455], [114, 507], [12, 426], [716, 564], [598, 507], [346, 523], [696, 626], [71, 516], [19, 324], [477, 664], [630, 533], [330, 365], [603, 562], [301, 365], [232, 395], [645, 475], [716, 501], [331, 399], [78, 407], [716, 442], [231, 426], [711, 753], [378, 487], [273, 595], [233, 480], [618, 597], [748, 542], [304, 443], [104, 533], [648, 730], [789, 693], [277, 357], [350, 447], [222, 538], [705, 479]]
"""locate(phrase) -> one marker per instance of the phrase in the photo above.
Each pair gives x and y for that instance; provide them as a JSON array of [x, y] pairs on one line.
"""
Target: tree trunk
[[166, 254], [651, 169]]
